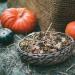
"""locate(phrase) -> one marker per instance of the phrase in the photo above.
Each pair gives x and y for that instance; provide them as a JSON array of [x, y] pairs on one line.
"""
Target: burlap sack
[[59, 12]]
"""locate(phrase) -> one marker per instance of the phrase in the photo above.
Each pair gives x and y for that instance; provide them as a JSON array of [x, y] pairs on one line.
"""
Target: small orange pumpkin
[[18, 19], [70, 29]]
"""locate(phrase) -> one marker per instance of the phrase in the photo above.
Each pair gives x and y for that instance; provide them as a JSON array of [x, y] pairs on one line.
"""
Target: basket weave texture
[[59, 12], [46, 59]]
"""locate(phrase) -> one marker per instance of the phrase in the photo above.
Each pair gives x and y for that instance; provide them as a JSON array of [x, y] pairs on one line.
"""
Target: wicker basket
[[47, 59], [59, 12]]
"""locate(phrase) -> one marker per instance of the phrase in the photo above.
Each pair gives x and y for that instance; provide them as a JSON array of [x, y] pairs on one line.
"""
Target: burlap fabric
[[59, 12]]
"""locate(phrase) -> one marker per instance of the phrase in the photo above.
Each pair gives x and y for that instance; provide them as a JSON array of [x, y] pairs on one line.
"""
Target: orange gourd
[[70, 29], [18, 19]]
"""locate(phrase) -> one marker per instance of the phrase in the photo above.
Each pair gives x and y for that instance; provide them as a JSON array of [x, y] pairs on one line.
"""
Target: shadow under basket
[[49, 58]]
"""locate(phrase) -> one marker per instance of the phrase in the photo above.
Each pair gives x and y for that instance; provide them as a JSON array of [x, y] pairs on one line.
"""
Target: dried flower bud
[[63, 39], [58, 45]]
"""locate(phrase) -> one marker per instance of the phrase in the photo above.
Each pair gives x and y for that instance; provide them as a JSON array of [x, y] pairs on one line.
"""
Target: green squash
[[6, 36]]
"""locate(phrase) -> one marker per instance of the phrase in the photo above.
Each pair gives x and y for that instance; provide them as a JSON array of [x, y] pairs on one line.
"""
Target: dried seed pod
[[58, 45]]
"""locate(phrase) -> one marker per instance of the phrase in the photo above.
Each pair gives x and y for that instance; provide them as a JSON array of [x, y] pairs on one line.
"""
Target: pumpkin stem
[[21, 13]]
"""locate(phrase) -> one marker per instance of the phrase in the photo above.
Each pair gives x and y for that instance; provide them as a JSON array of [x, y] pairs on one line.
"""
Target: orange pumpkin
[[18, 19], [70, 29]]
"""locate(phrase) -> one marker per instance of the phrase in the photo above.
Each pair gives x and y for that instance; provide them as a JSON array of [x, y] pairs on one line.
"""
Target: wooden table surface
[[11, 64]]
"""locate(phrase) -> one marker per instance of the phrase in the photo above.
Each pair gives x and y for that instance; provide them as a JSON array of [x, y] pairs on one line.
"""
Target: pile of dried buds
[[45, 43]]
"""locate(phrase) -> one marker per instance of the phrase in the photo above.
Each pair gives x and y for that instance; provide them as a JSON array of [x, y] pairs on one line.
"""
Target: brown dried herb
[[44, 43]]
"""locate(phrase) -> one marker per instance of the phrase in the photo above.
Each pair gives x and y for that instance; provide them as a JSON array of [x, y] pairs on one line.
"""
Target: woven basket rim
[[24, 52]]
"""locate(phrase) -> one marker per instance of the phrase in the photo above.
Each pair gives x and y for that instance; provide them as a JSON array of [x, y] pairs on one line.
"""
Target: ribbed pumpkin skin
[[18, 19]]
